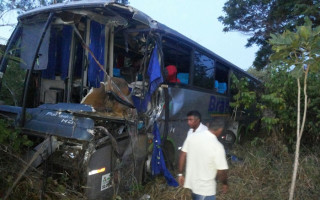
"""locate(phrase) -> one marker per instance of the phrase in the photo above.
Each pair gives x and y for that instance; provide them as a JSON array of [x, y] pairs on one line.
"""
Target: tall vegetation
[[299, 54], [259, 18], [290, 102]]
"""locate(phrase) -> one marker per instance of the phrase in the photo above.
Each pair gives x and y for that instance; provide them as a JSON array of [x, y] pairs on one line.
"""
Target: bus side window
[[221, 78], [203, 71], [178, 55]]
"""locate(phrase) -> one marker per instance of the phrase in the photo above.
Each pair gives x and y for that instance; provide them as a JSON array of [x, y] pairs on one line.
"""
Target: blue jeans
[[201, 197]]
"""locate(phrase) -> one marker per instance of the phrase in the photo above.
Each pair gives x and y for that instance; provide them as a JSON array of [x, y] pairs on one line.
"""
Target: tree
[[260, 18], [299, 54]]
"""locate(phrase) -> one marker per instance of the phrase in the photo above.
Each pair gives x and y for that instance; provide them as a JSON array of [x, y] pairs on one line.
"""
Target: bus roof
[[136, 15]]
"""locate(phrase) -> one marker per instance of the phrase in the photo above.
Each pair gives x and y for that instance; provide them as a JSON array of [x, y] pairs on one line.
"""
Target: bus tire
[[230, 138], [241, 134]]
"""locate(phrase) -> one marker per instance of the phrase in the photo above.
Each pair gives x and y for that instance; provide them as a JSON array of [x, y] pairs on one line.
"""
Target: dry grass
[[265, 173], [158, 189]]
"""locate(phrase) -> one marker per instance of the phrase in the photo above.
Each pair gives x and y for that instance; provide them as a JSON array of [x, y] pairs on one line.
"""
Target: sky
[[8, 20], [198, 20]]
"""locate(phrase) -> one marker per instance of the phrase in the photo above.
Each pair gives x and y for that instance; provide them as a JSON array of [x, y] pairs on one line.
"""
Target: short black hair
[[194, 113], [217, 123]]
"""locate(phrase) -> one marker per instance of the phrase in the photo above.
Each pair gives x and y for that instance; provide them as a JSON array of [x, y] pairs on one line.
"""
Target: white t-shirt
[[201, 128], [205, 155]]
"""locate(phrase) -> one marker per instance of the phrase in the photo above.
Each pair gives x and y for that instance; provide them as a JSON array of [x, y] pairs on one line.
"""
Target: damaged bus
[[91, 78]]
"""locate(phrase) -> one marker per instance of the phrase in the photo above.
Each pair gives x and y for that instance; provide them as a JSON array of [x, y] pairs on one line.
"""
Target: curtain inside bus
[[59, 53], [97, 46]]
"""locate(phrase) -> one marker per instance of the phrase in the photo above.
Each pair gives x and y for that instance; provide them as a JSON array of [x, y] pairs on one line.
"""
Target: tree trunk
[[299, 131], [296, 157], [295, 169]]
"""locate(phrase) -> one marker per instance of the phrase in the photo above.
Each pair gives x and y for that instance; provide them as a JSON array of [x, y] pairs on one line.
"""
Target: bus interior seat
[[116, 72], [216, 85], [220, 87], [183, 77]]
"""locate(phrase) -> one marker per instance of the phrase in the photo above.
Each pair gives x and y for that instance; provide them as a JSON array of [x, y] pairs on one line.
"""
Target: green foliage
[[13, 84], [244, 103], [244, 98], [13, 79], [262, 75], [262, 17], [12, 137], [295, 54], [297, 51], [136, 188]]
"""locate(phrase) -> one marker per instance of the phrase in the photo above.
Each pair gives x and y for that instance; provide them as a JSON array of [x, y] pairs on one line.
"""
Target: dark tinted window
[[221, 78], [177, 54], [203, 71]]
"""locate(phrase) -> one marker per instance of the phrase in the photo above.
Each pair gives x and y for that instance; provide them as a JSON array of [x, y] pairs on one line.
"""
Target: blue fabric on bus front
[[155, 79], [97, 41], [154, 71], [158, 164], [65, 50]]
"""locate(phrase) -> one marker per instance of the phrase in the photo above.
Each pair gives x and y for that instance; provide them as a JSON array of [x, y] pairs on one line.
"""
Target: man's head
[[194, 119], [216, 126]]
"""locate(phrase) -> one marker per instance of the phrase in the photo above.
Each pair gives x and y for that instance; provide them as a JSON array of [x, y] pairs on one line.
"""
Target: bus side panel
[[183, 100]]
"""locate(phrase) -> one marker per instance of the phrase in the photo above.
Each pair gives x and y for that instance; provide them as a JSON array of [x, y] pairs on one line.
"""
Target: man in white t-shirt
[[194, 122], [205, 160]]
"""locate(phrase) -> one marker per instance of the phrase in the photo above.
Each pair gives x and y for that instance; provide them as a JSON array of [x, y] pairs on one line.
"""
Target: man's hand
[[225, 188], [181, 180], [182, 162], [223, 177]]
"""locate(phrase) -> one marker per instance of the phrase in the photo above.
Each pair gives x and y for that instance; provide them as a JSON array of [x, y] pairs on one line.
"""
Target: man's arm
[[182, 163], [223, 178]]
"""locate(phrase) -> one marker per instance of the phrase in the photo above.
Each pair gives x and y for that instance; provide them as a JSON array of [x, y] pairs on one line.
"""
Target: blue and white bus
[[91, 78]]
